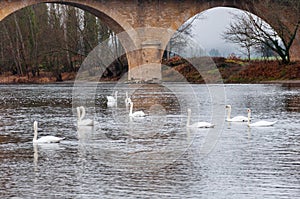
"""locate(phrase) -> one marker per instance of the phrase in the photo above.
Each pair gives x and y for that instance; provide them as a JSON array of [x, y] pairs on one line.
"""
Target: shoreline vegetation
[[235, 70], [232, 70]]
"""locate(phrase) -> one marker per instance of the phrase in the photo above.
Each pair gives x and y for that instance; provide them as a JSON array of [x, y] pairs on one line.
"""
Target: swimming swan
[[235, 119], [112, 100], [197, 124], [137, 113], [81, 115], [260, 123], [44, 139]]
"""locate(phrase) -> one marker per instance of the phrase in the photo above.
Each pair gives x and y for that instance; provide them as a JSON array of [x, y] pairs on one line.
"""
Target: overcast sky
[[208, 30]]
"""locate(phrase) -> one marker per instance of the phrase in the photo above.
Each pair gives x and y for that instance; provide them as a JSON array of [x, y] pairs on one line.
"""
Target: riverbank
[[231, 71], [43, 78], [235, 70], [285, 83]]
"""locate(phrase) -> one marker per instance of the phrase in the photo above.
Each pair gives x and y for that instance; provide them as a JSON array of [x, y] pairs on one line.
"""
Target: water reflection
[[135, 149], [292, 103], [84, 133], [150, 96], [35, 156]]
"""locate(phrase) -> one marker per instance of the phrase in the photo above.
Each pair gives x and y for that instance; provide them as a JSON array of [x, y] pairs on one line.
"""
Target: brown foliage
[[239, 71]]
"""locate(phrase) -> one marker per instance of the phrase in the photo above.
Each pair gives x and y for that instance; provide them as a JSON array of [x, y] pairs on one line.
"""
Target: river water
[[154, 157]]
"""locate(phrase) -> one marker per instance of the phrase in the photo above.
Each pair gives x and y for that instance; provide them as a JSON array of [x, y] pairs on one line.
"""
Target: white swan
[[235, 119], [197, 124], [127, 99], [137, 113], [112, 100], [81, 115], [260, 123], [45, 139]]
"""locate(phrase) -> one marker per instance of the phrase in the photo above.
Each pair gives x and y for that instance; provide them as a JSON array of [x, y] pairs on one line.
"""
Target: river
[[154, 157]]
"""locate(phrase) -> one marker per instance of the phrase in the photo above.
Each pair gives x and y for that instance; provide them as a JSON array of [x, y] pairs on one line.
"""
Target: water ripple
[[156, 157]]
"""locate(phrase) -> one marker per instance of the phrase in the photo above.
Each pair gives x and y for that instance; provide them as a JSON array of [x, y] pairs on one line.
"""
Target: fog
[[211, 24]]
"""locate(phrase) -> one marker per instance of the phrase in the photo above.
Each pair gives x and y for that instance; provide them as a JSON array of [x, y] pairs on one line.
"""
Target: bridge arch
[[249, 6], [113, 19], [210, 22]]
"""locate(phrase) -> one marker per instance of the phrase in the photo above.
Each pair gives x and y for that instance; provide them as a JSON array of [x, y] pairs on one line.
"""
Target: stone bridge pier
[[145, 27], [144, 53]]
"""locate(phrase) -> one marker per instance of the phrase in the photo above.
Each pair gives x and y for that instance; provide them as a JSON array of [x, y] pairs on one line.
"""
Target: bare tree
[[178, 41], [241, 32], [265, 51], [249, 30]]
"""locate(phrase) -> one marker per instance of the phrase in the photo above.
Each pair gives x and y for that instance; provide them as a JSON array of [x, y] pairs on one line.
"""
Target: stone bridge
[[147, 26]]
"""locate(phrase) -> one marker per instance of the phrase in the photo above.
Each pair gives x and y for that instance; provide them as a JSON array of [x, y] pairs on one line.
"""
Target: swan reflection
[[85, 132], [47, 148], [149, 144]]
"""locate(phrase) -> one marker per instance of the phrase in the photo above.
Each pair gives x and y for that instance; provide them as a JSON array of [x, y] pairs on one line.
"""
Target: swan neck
[[83, 113], [229, 113], [188, 118], [131, 107], [249, 115], [78, 114]]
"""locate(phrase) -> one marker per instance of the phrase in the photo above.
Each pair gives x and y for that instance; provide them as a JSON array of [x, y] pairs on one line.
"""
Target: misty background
[[207, 30]]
